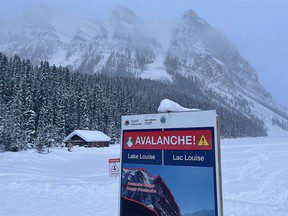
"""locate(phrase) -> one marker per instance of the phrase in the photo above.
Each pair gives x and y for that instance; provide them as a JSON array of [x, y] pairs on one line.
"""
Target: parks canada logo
[[127, 123], [130, 142]]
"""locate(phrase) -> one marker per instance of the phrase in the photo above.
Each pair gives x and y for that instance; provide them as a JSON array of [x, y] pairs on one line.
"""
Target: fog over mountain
[[124, 46]]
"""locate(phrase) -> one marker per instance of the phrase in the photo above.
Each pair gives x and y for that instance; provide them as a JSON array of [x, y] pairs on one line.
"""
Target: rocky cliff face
[[123, 46]]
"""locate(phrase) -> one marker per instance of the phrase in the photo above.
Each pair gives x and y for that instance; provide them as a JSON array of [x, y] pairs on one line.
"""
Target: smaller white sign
[[114, 166]]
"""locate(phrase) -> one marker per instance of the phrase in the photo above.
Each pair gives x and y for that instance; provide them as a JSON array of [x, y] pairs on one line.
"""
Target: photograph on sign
[[171, 191], [169, 171]]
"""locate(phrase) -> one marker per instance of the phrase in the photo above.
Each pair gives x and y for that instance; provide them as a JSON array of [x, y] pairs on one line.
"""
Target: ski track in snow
[[255, 180], [255, 176]]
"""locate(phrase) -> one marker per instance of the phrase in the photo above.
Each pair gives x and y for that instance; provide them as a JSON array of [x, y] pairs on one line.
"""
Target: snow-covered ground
[[59, 183], [62, 183], [255, 176]]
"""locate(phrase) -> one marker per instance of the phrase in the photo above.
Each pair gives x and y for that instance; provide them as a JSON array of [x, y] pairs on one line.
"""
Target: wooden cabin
[[87, 138]]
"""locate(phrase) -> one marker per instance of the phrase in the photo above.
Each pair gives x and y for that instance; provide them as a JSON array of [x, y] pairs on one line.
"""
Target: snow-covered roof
[[167, 105], [89, 136]]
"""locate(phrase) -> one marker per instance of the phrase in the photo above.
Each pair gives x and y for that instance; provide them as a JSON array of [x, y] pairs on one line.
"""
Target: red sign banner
[[188, 139], [114, 160]]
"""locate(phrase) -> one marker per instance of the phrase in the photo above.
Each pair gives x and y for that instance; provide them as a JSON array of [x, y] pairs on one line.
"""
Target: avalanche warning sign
[[170, 161], [114, 166]]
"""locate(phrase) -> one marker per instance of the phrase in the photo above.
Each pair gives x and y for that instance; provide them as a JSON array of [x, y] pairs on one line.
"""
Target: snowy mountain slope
[[39, 34], [123, 46], [198, 50], [120, 47]]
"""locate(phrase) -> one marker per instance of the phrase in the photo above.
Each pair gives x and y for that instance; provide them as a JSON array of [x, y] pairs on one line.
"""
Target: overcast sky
[[258, 28]]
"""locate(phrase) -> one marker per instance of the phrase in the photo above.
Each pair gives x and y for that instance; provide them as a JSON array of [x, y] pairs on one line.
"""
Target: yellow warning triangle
[[203, 141]]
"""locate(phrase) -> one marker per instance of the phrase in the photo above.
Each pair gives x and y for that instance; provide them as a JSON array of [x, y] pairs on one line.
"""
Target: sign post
[[171, 164]]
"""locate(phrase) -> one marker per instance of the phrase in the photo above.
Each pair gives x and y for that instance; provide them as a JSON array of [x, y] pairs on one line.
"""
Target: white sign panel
[[171, 164]]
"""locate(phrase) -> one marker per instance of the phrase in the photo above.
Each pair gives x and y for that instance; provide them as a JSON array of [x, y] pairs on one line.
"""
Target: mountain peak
[[123, 14], [191, 16]]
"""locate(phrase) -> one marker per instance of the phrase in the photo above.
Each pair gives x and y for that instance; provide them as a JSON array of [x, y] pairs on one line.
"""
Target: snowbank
[[167, 105]]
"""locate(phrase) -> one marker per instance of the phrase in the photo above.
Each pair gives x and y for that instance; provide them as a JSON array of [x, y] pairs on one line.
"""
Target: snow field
[[62, 183], [59, 183], [255, 176]]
